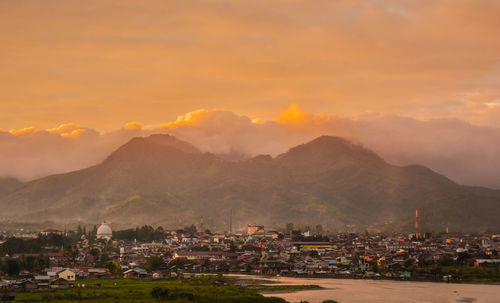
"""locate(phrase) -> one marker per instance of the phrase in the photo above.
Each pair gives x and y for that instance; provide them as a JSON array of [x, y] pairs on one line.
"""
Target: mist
[[466, 153]]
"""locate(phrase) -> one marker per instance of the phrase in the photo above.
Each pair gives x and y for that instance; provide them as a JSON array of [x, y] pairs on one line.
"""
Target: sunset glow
[[173, 150], [106, 64], [417, 81]]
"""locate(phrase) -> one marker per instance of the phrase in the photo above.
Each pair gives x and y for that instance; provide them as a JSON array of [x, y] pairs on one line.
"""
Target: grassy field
[[202, 289]]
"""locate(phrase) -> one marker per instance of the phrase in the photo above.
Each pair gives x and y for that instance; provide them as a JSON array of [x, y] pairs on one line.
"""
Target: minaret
[[416, 221]]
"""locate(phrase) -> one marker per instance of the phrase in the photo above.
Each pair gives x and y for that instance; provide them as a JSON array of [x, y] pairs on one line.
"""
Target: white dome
[[104, 230]]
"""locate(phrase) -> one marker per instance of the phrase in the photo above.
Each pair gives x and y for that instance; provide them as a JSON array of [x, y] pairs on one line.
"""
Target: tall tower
[[416, 221], [231, 221]]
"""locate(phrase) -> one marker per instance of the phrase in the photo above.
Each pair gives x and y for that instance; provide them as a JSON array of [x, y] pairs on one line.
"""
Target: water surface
[[372, 291]]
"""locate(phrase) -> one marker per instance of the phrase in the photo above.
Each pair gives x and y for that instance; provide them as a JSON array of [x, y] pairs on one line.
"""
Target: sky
[[74, 73]]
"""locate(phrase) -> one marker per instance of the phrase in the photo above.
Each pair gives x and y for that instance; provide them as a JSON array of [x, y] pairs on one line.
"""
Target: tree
[[154, 263], [79, 231], [12, 267], [462, 257], [190, 230], [289, 227], [408, 262], [104, 258], [71, 255], [113, 267], [94, 252], [319, 229], [126, 234]]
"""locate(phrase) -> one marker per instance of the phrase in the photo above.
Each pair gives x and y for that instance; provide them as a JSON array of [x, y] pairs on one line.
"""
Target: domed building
[[104, 231]]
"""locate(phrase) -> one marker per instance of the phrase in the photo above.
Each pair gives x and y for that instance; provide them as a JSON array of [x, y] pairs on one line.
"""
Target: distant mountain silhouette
[[328, 181]]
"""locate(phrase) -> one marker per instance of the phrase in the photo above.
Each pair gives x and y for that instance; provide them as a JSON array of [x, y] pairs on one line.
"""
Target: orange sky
[[105, 63], [416, 81]]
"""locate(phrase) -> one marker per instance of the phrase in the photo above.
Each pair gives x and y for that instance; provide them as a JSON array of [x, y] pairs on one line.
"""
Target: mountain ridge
[[329, 180]]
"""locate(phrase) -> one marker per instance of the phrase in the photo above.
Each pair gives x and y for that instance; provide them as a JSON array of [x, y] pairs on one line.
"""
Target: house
[[135, 273], [265, 235], [4, 284], [201, 255], [40, 279], [97, 273], [252, 229], [60, 283], [28, 284], [487, 262], [66, 274]]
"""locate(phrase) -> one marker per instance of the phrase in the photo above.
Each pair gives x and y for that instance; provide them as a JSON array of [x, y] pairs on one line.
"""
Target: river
[[382, 291]]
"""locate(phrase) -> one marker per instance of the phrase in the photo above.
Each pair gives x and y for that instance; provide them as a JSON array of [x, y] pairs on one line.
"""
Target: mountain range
[[162, 180]]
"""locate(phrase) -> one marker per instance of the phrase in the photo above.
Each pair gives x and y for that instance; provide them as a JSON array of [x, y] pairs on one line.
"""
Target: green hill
[[329, 181]]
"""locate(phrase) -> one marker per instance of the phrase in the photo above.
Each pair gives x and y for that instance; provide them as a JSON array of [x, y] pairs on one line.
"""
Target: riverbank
[[207, 289]]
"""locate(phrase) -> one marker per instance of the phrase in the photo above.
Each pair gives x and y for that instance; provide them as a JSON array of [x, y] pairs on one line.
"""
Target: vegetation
[[189, 230], [51, 242], [202, 289], [458, 273], [154, 263], [145, 233], [11, 267], [328, 180], [317, 238]]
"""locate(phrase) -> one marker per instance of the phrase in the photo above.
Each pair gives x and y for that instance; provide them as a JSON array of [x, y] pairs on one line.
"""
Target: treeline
[[42, 243], [144, 233], [148, 233], [317, 238], [12, 267]]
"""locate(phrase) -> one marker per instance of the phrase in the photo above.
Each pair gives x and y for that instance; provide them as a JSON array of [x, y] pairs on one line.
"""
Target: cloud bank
[[464, 152]]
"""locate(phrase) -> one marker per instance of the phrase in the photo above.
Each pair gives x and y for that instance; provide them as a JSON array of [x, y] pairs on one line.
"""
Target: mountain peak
[[154, 146], [328, 180], [328, 149], [166, 140], [330, 140]]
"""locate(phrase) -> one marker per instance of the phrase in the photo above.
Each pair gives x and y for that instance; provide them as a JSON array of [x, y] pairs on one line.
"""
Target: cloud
[[118, 60], [465, 152], [132, 126], [26, 131]]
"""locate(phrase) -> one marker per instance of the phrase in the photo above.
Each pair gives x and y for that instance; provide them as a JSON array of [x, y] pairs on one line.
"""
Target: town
[[55, 259]]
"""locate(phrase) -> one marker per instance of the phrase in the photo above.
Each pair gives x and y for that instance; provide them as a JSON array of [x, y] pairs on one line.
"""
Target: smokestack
[[416, 221], [231, 222]]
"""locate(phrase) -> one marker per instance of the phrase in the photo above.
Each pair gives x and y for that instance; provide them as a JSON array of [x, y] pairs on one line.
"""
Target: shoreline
[[364, 279]]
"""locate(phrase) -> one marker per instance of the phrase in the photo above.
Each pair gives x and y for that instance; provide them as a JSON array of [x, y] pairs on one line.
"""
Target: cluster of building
[[263, 252]]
